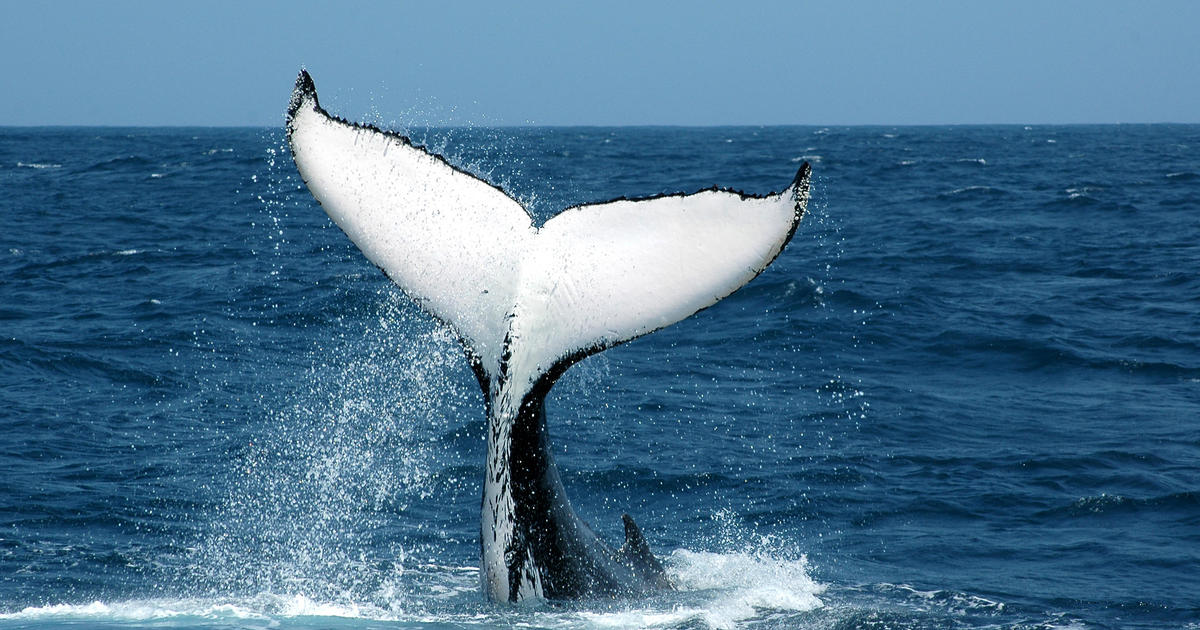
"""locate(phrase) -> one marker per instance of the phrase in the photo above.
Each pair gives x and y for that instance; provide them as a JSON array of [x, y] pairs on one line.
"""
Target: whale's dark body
[[571, 560], [527, 302]]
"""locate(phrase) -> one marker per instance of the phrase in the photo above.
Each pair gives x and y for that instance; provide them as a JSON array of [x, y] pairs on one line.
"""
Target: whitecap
[[1078, 193], [37, 165], [1098, 504], [963, 603], [970, 189]]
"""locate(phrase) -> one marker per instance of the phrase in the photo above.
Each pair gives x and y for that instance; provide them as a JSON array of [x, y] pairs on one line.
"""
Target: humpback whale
[[526, 303]]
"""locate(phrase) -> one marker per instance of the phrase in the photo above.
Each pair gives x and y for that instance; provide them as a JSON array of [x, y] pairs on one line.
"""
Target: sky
[[544, 62]]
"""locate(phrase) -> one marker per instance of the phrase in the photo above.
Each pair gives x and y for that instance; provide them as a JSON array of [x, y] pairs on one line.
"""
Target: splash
[[750, 589], [325, 497], [264, 607], [745, 586], [320, 500]]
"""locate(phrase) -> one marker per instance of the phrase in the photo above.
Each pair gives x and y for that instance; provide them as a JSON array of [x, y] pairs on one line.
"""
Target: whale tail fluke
[[527, 301]]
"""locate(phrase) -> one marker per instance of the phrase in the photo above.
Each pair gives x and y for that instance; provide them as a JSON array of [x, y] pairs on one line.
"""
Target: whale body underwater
[[526, 303]]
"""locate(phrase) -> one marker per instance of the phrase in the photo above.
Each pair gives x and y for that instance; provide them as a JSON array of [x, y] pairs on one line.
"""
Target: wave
[[962, 603], [1185, 200], [75, 361], [117, 164], [33, 268], [262, 607], [1115, 504], [1046, 353], [974, 192], [903, 605], [1084, 199]]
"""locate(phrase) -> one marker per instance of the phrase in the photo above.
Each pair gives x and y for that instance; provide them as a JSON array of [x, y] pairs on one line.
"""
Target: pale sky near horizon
[[611, 63]]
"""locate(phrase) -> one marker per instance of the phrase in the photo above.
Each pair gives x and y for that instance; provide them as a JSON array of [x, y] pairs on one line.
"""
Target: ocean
[[967, 394]]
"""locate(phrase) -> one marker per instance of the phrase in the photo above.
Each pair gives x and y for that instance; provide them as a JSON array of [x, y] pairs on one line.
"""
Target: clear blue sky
[[551, 62]]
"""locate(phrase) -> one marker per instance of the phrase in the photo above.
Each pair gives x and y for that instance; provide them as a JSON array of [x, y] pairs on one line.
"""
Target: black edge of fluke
[[800, 179], [800, 183], [802, 175], [305, 89]]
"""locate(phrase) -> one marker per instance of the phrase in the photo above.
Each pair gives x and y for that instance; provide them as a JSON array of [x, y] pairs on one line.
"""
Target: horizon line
[[612, 126]]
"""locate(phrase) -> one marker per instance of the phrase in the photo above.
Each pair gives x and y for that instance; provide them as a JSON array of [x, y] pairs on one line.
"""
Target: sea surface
[[967, 394]]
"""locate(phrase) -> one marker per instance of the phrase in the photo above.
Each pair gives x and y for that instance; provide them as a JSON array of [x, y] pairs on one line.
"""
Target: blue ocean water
[[967, 395]]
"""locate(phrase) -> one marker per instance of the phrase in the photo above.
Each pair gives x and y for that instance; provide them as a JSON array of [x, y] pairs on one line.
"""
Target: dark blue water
[[966, 396]]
